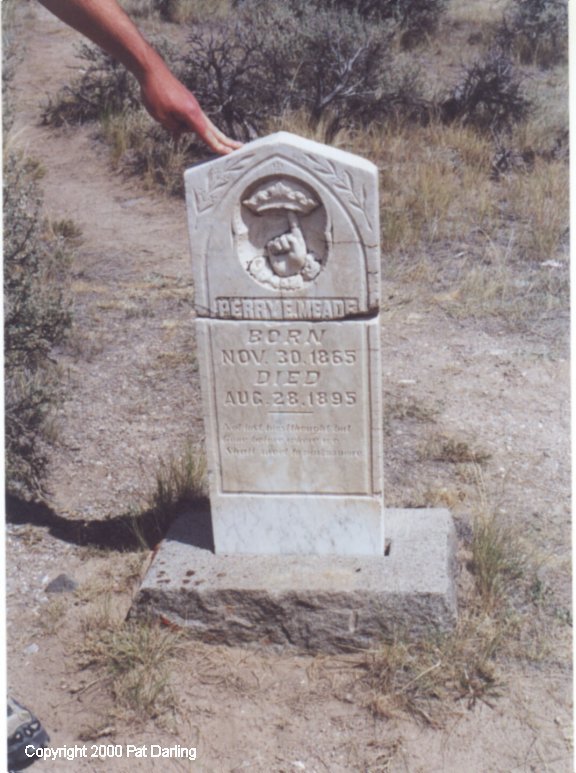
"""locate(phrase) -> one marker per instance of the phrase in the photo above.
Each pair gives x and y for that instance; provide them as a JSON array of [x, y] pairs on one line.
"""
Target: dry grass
[[134, 660], [481, 12], [442, 447], [431, 678], [410, 408], [475, 244], [65, 228], [538, 201], [435, 184], [181, 481], [496, 284], [298, 122], [498, 558], [53, 614], [140, 147]]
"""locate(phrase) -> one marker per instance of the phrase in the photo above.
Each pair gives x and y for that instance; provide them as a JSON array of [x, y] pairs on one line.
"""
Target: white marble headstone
[[284, 238]]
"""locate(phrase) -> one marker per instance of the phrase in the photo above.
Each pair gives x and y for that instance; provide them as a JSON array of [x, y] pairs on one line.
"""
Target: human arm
[[167, 100]]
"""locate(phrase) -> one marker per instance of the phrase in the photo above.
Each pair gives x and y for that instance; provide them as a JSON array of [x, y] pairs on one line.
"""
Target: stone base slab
[[309, 603]]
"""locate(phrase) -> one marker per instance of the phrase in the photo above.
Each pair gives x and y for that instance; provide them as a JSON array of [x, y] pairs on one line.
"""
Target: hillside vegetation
[[463, 110]]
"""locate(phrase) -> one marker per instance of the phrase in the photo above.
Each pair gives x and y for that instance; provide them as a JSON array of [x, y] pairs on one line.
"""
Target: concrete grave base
[[309, 603]]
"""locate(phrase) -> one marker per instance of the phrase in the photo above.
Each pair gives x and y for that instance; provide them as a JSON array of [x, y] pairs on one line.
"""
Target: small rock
[[31, 649], [61, 584]]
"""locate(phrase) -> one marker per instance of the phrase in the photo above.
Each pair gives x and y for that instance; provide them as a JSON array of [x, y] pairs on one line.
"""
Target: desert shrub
[[164, 9], [413, 19], [192, 10], [536, 31], [416, 19], [177, 11], [277, 59], [104, 87], [10, 55], [139, 9], [251, 67], [36, 317], [489, 96]]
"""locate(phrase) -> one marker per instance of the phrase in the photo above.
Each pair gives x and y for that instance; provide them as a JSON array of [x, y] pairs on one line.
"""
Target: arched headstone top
[[285, 226]]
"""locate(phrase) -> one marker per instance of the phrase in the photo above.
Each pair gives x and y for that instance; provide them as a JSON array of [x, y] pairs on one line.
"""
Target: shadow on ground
[[121, 532]]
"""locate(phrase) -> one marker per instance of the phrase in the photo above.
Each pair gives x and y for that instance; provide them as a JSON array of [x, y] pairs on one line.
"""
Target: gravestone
[[285, 252], [290, 551]]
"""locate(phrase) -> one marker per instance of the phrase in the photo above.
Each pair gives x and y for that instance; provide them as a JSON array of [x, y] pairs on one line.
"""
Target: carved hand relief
[[281, 234]]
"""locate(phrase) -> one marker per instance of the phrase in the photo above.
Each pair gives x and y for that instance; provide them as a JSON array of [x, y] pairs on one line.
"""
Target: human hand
[[287, 253], [171, 104]]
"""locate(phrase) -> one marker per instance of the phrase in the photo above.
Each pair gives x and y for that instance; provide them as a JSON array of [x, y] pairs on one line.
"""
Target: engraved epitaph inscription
[[286, 271]]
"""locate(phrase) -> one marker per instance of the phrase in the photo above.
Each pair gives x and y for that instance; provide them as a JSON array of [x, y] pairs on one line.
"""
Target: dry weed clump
[[430, 678], [497, 560], [180, 481], [538, 202], [141, 147], [489, 95], [134, 660], [410, 408], [441, 447]]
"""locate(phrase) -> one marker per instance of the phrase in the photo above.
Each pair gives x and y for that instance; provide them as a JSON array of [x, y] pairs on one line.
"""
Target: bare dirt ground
[[133, 398]]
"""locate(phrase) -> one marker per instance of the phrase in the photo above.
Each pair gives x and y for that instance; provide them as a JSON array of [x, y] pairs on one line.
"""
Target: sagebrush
[[36, 318], [536, 31]]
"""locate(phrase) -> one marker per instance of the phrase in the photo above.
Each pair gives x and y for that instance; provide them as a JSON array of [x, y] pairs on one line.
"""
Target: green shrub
[[105, 87], [489, 97], [142, 9], [412, 19], [36, 318], [271, 60], [250, 68], [536, 31], [10, 54], [177, 11]]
